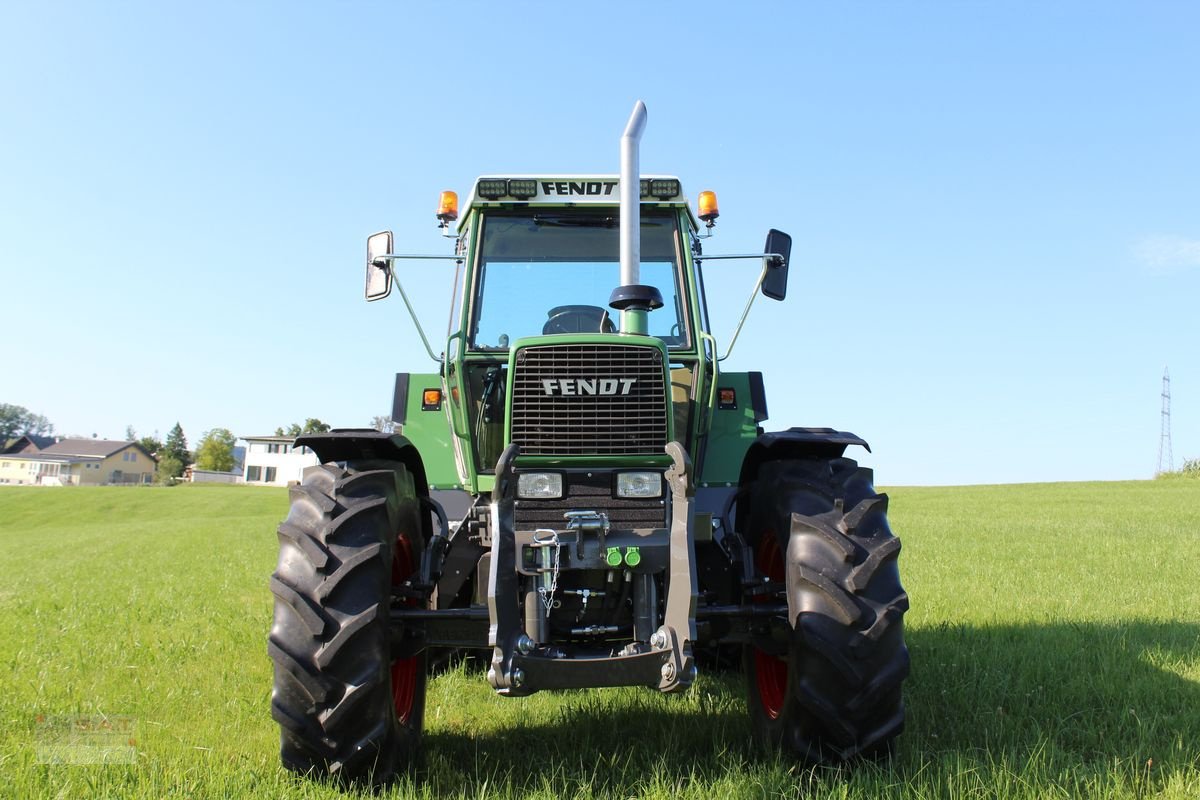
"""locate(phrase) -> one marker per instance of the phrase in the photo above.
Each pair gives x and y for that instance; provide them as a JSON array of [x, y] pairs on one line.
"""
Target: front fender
[[366, 444], [802, 442]]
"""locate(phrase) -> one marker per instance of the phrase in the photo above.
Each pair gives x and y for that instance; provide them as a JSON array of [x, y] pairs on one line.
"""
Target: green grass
[[1054, 631]]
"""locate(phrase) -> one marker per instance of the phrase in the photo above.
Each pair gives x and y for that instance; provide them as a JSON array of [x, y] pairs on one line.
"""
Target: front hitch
[[520, 666]]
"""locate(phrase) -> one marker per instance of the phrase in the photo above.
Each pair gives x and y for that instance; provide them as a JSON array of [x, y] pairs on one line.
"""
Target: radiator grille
[[589, 399]]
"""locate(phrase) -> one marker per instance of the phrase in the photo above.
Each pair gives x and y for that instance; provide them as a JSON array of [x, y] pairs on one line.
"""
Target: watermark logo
[[85, 739]]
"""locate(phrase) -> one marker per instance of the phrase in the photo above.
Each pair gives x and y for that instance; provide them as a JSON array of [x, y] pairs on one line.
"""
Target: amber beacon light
[[708, 207], [448, 207]]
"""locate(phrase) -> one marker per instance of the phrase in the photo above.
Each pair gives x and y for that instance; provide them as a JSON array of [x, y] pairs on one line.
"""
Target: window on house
[[253, 473], [270, 476]]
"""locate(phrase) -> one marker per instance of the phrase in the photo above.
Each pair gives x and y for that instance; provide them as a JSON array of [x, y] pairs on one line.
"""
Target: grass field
[[1054, 631]]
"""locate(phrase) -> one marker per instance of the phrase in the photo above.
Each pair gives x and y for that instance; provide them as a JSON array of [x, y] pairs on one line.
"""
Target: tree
[[18, 421], [384, 424], [314, 425], [175, 450], [215, 450], [130, 434], [169, 468], [151, 444], [311, 425]]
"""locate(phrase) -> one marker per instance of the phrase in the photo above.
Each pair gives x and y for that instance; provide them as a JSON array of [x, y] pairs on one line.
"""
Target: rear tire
[[345, 707], [819, 531]]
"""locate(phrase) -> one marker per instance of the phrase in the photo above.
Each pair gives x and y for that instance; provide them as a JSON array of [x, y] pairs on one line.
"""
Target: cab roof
[[515, 191]]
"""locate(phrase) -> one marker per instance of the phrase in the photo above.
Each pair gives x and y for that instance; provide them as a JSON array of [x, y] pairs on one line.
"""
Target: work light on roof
[[491, 188], [496, 188], [659, 188], [522, 188], [664, 189]]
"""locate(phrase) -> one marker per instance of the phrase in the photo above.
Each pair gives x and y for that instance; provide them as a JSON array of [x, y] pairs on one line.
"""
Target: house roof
[[29, 443], [95, 448]]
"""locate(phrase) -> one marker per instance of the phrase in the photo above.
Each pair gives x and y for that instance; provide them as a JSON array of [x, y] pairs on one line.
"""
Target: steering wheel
[[578, 319]]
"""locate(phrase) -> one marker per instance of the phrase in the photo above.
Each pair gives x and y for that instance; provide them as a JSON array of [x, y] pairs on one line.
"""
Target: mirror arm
[[389, 257], [762, 276], [774, 256], [745, 312]]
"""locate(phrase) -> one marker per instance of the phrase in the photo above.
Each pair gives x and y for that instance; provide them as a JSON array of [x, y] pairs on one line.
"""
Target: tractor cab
[[541, 281], [541, 263]]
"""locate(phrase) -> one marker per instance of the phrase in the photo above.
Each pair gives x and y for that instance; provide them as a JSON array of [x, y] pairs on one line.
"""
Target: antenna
[[1164, 437]]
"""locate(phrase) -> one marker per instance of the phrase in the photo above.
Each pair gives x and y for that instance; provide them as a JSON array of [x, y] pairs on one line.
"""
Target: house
[[273, 461], [77, 462]]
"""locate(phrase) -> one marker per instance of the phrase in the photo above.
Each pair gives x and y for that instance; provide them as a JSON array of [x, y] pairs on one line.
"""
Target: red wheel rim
[[770, 671], [404, 670]]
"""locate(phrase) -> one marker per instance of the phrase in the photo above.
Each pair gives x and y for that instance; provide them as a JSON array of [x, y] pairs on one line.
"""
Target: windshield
[[552, 271]]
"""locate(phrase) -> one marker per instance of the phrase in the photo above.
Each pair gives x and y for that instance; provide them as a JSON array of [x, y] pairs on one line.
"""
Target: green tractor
[[580, 493]]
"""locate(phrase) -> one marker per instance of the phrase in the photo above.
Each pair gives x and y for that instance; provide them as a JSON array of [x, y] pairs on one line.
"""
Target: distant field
[[1054, 631]]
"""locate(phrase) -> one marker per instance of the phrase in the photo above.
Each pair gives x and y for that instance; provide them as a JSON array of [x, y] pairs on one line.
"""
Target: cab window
[[544, 272]]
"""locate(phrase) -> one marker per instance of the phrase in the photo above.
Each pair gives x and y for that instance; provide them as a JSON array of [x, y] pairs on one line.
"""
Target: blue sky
[[995, 206]]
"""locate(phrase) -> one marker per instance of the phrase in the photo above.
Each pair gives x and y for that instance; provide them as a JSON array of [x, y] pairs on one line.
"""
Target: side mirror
[[778, 250], [379, 271]]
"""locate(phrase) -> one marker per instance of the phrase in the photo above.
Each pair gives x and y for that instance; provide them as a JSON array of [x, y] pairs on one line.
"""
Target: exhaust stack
[[631, 197], [632, 299]]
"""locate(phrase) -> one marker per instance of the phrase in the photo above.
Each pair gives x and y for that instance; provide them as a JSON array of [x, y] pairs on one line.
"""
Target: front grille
[[591, 493], [589, 400]]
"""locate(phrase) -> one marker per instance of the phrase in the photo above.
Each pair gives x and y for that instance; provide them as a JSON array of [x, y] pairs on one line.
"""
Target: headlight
[[539, 485], [639, 484]]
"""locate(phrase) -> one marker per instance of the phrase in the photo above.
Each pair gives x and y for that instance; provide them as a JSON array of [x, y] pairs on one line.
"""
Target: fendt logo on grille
[[583, 386]]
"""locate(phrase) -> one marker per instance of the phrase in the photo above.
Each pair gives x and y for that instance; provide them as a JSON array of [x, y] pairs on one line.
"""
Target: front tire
[[819, 532], [345, 707]]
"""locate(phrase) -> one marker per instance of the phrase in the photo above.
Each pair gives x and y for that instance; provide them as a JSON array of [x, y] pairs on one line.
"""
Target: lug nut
[[658, 640], [668, 671], [525, 645], [518, 678]]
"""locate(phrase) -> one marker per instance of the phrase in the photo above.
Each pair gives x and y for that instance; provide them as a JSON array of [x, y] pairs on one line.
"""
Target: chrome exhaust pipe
[[631, 197]]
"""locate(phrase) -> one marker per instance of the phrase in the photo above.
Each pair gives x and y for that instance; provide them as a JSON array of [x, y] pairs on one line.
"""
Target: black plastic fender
[[367, 444], [815, 442]]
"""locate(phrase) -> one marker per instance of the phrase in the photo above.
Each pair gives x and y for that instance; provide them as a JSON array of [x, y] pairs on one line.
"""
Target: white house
[[272, 461]]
